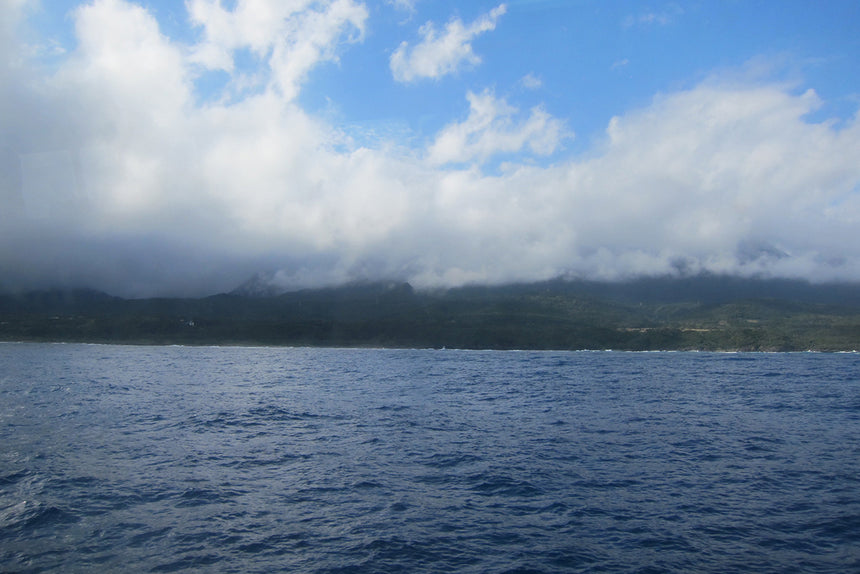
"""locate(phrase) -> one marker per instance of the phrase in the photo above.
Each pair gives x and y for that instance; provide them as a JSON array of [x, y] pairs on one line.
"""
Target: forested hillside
[[706, 313]]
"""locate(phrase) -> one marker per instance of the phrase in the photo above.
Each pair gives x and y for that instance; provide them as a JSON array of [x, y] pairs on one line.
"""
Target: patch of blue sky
[[49, 31], [212, 86], [173, 20], [379, 133]]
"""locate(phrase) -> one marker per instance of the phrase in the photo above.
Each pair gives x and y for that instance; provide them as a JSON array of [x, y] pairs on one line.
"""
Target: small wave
[[394, 408], [254, 417], [200, 496], [846, 526], [608, 484], [29, 514], [192, 562], [249, 461], [14, 477], [275, 413], [147, 537], [450, 460], [504, 486]]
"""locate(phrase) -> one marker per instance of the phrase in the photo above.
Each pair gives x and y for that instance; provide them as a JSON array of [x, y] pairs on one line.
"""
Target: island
[[708, 313]]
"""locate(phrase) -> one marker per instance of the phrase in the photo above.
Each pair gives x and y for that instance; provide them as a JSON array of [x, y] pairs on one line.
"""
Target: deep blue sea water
[[171, 459]]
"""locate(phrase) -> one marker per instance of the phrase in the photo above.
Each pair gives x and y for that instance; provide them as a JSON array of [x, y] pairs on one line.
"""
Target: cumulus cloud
[[113, 176], [490, 130], [440, 54], [702, 173], [294, 36]]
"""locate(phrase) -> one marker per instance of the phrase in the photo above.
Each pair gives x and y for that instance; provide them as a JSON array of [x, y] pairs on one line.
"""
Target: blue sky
[[165, 147], [594, 60]]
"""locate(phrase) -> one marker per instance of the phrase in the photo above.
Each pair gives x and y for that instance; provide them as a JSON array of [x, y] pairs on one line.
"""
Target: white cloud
[[654, 18], [490, 130], [13, 11], [113, 176], [404, 5], [531, 82], [619, 64], [293, 36], [700, 172], [440, 54]]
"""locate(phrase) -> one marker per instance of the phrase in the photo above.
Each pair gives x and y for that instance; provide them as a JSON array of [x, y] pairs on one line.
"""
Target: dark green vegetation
[[707, 313]]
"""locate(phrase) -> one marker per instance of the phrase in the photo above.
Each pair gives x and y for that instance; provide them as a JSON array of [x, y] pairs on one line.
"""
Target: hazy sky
[[160, 147]]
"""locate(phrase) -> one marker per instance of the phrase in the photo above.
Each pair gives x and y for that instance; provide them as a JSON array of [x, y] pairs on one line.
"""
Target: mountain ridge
[[696, 313]]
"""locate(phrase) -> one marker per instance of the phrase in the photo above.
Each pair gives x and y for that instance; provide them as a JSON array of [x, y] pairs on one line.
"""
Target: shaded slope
[[709, 313]]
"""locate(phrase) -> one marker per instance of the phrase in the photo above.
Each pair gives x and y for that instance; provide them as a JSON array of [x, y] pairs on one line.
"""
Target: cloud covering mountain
[[118, 170]]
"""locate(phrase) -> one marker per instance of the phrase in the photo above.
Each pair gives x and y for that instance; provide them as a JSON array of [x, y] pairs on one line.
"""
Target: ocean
[[237, 459]]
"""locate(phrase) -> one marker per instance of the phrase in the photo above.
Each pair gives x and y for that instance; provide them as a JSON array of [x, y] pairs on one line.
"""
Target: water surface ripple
[[172, 459]]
